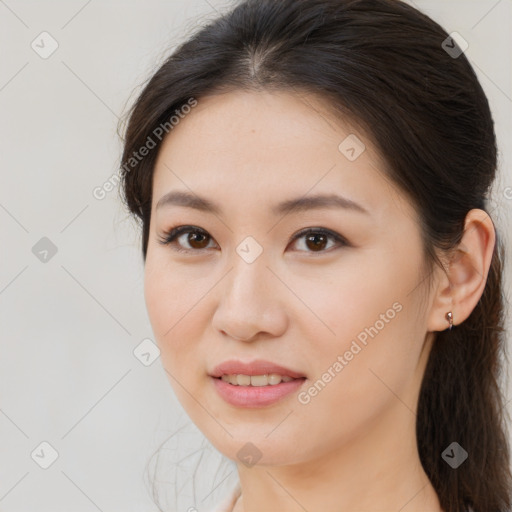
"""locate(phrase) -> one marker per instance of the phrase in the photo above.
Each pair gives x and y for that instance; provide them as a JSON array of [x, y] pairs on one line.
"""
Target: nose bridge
[[248, 281], [247, 302]]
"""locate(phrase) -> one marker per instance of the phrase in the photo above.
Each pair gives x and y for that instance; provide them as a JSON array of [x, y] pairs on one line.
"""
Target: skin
[[353, 446]]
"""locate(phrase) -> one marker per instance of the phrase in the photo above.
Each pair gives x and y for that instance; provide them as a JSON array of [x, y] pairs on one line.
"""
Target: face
[[331, 290]]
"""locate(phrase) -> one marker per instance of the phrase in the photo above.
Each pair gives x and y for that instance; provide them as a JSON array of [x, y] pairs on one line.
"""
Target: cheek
[[365, 333], [168, 293], [339, 308], [160, 296], [174, 308], [355, 382], [172, 301]]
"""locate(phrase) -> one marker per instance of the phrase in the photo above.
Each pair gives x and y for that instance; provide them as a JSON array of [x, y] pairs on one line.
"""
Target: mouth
[[255, 384]]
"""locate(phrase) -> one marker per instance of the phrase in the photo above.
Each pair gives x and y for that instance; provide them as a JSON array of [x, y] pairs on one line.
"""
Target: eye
[[195, 237], [315, 239]]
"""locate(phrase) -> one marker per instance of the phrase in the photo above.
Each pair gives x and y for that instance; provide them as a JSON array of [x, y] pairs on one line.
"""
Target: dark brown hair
[[383, 64]]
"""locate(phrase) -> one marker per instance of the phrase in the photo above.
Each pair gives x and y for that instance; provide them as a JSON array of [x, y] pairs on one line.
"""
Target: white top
[[228, 502]]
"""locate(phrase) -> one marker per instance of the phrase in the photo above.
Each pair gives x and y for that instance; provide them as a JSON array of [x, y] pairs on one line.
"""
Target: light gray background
[[68, 327]]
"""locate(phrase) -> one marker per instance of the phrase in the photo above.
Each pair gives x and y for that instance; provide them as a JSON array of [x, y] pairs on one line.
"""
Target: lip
[[255, 367], [255, 396]]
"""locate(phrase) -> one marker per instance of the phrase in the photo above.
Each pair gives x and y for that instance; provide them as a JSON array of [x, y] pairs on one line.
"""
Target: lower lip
[[255, 396]]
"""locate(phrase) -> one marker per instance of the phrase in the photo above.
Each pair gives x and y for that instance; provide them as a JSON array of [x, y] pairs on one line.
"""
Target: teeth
[[270, 379], [243, 380]]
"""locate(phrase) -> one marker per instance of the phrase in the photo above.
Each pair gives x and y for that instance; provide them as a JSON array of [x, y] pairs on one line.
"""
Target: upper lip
[[255, 367]]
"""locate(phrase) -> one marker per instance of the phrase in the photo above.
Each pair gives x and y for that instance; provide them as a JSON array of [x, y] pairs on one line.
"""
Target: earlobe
[[463, 282]]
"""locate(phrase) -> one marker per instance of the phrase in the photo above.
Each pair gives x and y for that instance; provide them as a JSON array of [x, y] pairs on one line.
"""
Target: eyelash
[[169, 237]]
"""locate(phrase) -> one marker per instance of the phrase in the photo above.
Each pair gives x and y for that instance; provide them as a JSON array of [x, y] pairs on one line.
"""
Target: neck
[[375, 470]]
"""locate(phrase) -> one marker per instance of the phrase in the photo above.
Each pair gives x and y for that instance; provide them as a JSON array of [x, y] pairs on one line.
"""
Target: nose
[[251, 304]]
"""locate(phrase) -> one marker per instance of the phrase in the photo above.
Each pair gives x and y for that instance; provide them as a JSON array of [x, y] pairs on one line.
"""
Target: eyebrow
[[178, 198]]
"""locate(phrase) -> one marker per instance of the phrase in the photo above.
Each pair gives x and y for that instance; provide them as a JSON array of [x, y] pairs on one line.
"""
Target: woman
[[322, 275]]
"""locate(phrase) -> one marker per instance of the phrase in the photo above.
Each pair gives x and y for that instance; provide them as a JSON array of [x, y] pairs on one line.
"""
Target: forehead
[[261, 147], [265, 126]]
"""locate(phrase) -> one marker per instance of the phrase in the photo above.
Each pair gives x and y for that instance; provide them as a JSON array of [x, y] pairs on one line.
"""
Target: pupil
[[194, 239], [315, 237]]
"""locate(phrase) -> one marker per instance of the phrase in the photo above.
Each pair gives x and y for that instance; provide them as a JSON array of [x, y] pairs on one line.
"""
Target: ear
[[461, 284]]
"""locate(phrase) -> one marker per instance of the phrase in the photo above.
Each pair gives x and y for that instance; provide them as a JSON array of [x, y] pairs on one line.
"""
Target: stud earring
[[449, 318]]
